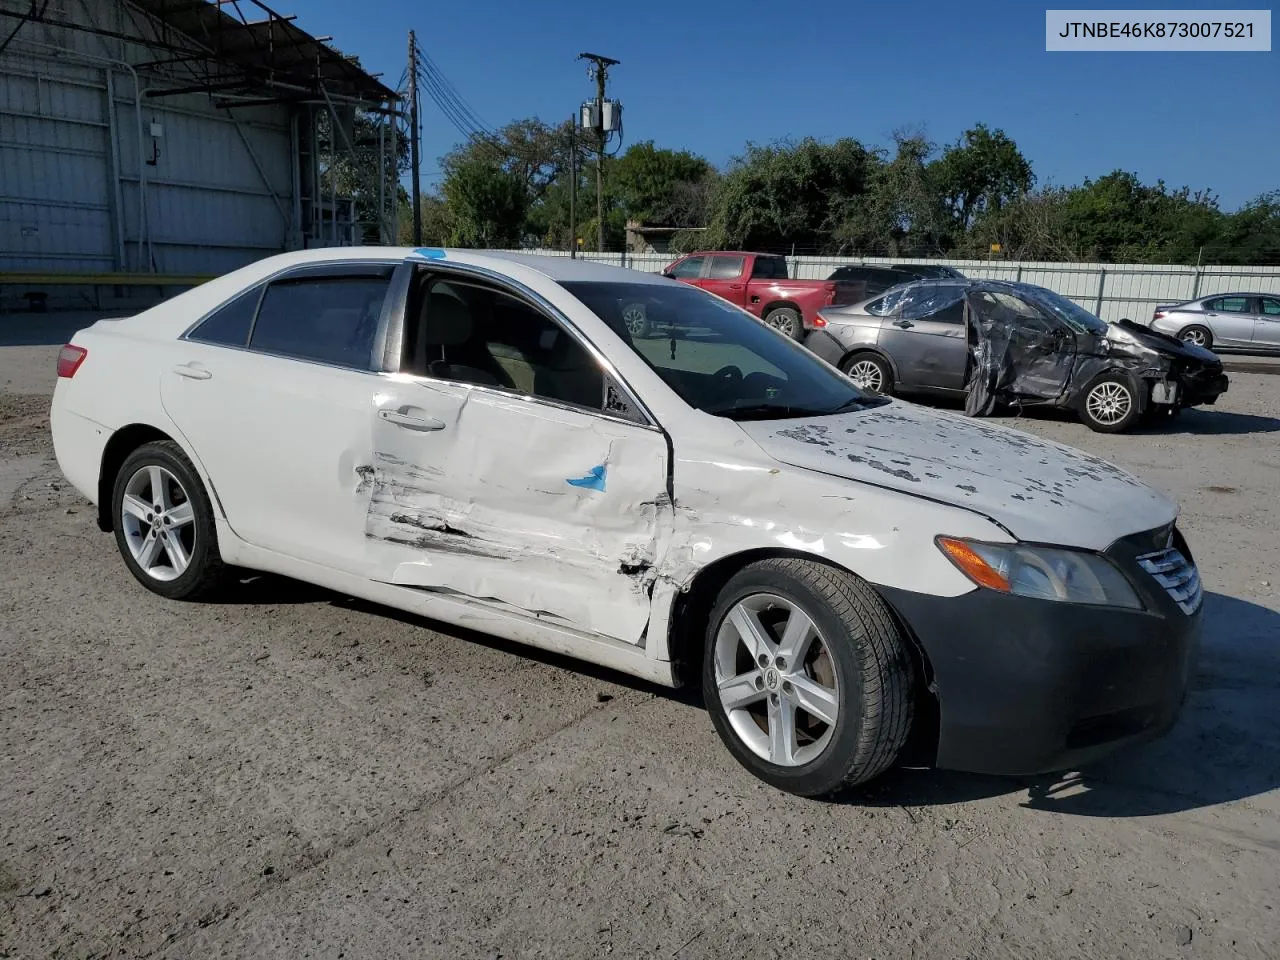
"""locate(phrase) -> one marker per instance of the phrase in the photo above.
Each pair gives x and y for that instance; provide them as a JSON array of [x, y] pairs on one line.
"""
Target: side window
[[725, 268], [689, 268], [876, 308], [1229, 305], [472, 333], [1271, 307], [229, 325], [331, 318]]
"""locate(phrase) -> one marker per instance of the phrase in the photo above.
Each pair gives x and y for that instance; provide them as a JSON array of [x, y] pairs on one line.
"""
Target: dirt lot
[[290, 773]]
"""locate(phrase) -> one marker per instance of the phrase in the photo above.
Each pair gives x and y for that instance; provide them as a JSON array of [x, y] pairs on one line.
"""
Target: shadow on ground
[[1225, 747]]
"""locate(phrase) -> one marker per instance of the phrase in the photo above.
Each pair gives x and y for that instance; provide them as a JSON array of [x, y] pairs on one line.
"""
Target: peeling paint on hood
[[1036, 489]]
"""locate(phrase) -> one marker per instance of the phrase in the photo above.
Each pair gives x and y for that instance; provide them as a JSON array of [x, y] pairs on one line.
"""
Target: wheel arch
[[874, 351], [687, 630], [122, 443], [780, 305]]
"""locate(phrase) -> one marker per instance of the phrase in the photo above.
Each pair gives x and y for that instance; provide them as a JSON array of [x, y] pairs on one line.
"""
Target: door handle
[[904, 324], [192, 371], [735, 286], [410, 422]]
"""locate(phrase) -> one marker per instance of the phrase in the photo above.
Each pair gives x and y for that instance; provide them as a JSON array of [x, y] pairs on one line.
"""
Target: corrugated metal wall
[[1111, 290], [77, 192]]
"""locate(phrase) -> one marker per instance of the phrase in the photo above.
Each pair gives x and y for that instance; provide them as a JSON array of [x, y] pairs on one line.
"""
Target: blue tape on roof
[[430, 253]]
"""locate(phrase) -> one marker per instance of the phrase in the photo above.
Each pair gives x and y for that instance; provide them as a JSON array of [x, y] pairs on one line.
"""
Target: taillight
[[819, 320], [1158, 316], [69, 359]]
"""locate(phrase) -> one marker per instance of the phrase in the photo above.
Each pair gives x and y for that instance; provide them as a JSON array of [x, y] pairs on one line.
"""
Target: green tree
[[982, 171], [784, 194], [487, 204], [659, 186]]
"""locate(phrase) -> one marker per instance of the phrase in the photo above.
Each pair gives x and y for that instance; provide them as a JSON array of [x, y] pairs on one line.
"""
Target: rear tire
[[1109, 404], [1198, 335], [164, 523], [869, 372], [786, 320], [838, 712]]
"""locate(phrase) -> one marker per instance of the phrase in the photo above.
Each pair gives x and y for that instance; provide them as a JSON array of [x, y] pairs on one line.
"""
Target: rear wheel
[[869, 372], [164, 523], [806, 676], [787, 320], [637, 321], [1198, 335], [1109, 404]]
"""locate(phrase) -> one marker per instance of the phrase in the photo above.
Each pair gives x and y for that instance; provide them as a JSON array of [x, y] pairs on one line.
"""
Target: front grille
[[1179, 577]]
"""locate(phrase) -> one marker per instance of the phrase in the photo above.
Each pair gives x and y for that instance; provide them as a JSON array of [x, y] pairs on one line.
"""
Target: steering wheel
[[729, 373]]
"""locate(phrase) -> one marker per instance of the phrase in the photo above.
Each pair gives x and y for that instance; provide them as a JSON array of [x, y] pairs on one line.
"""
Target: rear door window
[[1229, 305], [725, 268], [1271, 307], [328, 318]]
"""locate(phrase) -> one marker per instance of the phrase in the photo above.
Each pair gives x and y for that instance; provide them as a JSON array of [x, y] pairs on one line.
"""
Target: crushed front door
[[552, 512]]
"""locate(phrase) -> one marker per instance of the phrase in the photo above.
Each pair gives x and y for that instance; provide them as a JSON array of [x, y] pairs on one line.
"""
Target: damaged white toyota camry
[[477, 438]]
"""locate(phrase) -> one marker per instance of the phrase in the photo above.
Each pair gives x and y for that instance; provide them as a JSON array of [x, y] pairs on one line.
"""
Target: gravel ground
[[291, 773]]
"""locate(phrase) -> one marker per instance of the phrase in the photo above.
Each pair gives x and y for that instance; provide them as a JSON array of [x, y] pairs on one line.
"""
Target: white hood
[[1036, 489]]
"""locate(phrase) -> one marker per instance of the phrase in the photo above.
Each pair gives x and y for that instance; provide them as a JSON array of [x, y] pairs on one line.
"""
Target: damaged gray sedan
[[1002, 344]]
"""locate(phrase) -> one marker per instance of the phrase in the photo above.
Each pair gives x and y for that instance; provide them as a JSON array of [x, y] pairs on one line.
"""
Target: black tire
[[879, 362], [787, 320], [205, 571], [871, 662], [1121, 418], [1198, 335]]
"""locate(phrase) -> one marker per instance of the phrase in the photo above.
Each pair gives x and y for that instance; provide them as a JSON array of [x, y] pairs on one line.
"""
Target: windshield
[[718, 358], [1069, 312]]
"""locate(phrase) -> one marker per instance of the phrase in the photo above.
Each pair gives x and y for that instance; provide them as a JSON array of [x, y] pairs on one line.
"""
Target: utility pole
[[601, 69], [415, 161], [573, 187]]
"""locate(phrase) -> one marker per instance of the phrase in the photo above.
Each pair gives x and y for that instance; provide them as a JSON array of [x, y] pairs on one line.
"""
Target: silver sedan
[[1240, 321]]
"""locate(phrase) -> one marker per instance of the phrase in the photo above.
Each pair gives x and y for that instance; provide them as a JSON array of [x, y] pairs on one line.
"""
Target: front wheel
[[637, 321], [786, 320], [164, 523], [807, 679], [1109, 404]]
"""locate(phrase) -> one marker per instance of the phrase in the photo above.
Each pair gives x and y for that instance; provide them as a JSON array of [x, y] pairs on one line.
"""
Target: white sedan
[[477, 438]]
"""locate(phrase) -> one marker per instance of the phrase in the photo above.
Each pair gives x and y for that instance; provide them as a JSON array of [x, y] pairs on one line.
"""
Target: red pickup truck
[[759, 283]]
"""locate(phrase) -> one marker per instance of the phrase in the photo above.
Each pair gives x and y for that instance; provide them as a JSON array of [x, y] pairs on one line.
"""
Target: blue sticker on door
[[592, 481]]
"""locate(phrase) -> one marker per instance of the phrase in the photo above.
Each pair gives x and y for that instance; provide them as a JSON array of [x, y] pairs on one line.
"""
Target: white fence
[[1110, 290]]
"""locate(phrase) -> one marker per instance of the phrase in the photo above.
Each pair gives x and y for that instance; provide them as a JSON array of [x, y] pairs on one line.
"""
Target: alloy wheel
[[634, 317], [1196, 337], [158, 521], [776, 680], [784, 323], [1108, 403], [868, 375]]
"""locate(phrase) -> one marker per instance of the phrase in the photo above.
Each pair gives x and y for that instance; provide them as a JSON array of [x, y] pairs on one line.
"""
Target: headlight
[[1041, 572]]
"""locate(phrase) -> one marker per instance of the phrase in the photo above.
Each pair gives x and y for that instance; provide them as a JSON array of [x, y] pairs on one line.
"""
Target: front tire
[[806, 676], [164, 523], [1197, 335], [786, 320], [1109, 404]]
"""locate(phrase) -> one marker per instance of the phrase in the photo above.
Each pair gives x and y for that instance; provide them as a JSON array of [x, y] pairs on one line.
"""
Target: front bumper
[[1202, 386], [1030, 686]]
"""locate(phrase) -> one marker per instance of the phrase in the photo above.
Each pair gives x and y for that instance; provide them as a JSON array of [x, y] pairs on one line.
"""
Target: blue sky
[[711, 75]]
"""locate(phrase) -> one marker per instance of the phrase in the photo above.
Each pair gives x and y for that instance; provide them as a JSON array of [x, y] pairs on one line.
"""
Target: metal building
[[181, 138]]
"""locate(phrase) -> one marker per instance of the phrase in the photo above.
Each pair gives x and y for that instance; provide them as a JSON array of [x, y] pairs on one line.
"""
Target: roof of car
[[560, 269]]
